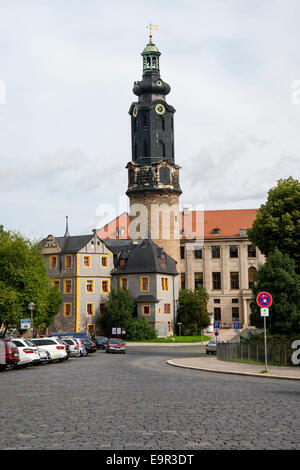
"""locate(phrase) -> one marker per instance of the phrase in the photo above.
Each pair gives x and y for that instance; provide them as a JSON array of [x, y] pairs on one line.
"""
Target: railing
[[279, 354]]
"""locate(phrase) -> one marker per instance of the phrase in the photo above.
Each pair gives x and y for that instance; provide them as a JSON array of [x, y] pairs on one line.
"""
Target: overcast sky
[[68, 68]]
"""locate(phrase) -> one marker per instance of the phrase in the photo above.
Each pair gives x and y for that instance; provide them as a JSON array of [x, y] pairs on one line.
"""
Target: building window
[[105, 287], [104, 261], [145, 283], [235, 314], [251, 251], [217, 314], [53, 262], [169, 327], [163, 259], [124, 283], [67, 286], [91, 329], [182, 279], [252, 273], [235, 301], [90, 309], [216, 280], [215, 251], [86, 261], [101, 308], [217, 301], [56, 283], [122, 262], [146, 309], [167, 308], [198, 253], [68, 261], [198, 280], [67, 309], [234, 251], [234, 280], [182, 252], [90, 285], [165, 283]]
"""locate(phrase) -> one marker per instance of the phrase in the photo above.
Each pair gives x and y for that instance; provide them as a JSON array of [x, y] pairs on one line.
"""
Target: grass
[[175, 339], [256, 363]]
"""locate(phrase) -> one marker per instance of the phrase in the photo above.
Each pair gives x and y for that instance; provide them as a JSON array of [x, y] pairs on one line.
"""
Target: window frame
[[216, 251], [105, 291], [87, 308], [233, 284], [65, 284], [68, 257], [106, 261], [53, 257], [219, 281], [69, 304], [92, 286], [148, 284], [89, 261], [143, 309]]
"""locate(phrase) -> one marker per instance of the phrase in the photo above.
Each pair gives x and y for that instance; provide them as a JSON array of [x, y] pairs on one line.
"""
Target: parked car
[[56, 349], [82, 350], [115, 345], [11, 355], [100, 341], [211, 347], [44, 356], [28, 352], [89, 346], [73, 346]]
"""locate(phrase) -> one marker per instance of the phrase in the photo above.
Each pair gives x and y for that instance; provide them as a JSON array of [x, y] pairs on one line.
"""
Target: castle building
[[156, 249]]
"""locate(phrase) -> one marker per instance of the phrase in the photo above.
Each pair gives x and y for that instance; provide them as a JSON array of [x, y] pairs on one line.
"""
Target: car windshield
[[116, 341], [101, 338]]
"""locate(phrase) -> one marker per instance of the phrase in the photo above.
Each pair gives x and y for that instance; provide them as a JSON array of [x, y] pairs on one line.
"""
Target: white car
[[28, 352], [74, 347], [56, 349]]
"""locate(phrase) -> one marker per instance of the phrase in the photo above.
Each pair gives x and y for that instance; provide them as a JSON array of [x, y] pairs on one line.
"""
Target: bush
[[139, 330]]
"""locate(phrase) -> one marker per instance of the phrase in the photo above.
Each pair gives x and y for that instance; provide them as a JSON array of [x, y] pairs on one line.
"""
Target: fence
[[278, 354]]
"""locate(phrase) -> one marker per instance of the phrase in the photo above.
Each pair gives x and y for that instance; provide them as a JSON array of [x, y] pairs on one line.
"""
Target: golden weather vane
[[151, 26]]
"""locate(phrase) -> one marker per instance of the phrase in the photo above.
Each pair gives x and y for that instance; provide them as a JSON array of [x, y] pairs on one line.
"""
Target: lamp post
[[31, 308]]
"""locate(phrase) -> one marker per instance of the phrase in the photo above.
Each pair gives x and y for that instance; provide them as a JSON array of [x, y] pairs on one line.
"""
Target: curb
[[249, 374], [167, 344]]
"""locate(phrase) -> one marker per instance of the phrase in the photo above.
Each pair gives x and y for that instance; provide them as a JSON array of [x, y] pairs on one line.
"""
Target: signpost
[[264, 300], [179, 324], [25, 324]]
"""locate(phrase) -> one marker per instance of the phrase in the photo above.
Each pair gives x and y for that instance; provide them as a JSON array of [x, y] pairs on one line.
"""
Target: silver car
[[211, 347], [74, 347]]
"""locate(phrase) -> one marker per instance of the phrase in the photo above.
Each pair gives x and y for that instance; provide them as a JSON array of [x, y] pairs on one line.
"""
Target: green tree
[[278, 277], [277, 224], [24, 279], [118, 311], [140, 330], [192, 310]]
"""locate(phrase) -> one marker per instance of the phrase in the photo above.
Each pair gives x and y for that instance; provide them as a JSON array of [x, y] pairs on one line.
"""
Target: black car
[[90, 346], [100, 341]]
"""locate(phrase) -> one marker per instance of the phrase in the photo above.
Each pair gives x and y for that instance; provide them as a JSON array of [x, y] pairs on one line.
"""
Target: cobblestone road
[[136, 401]]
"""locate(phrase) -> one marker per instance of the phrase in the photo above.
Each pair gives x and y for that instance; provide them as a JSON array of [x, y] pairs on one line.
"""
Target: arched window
[[161, 149], [164, 175], [160, 123], [136, 149], [145, 148], [252, 274]]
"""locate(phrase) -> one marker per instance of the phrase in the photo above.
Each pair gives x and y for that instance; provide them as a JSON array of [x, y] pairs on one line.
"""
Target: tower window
[[164, 175], [145, 148], [161, 149]]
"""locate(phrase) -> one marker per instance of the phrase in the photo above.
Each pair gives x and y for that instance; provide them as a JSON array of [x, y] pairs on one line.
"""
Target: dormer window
[[122, 262], [163, 259], [216, 231]]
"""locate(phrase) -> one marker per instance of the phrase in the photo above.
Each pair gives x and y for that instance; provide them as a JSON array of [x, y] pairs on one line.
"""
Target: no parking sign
[[264, 300]]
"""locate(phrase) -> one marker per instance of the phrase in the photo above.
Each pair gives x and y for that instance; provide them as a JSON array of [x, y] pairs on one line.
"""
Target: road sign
[[264, 299], [236, 326], [264, 312], [216, 333], [25, 324], [216, 324]]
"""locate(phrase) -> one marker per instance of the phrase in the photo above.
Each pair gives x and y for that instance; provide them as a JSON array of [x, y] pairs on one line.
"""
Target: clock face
[[159, 83], [135, 111], [160, 109]]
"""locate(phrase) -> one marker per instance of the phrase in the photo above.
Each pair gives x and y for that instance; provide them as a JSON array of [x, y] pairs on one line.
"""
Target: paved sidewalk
[[212, 364]]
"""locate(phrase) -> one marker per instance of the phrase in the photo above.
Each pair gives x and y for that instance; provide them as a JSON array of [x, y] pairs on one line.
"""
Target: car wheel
[[2, 367]]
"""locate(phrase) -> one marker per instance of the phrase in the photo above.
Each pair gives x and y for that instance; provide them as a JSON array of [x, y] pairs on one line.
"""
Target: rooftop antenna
[[67, 234]]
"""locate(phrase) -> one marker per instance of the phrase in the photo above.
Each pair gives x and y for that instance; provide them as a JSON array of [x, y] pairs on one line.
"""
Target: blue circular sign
[[264, 299]]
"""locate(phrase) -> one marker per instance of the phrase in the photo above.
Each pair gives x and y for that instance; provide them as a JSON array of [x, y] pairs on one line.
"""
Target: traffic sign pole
[[264, 300]]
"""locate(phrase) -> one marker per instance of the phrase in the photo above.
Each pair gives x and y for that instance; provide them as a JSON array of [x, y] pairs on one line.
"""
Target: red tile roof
[[229, 222]]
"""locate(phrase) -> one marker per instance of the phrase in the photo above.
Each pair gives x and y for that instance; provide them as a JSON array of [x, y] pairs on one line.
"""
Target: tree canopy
[[192, 310], [24, 279], [278, 277], [277, 224]]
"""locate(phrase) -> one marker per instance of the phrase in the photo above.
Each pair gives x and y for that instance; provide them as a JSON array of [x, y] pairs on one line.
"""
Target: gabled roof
[[70, 244], [142, 257], [229, 222]]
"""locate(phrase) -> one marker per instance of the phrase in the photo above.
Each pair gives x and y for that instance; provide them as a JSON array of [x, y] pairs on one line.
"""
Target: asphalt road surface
[[138, 402]]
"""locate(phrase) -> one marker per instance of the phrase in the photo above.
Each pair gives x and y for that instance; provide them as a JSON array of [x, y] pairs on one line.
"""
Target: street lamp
[[31, 308]]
